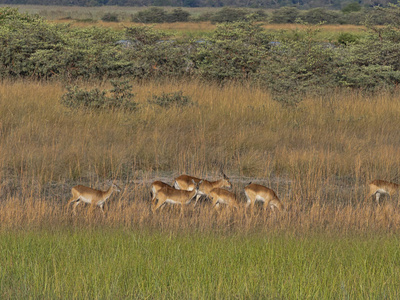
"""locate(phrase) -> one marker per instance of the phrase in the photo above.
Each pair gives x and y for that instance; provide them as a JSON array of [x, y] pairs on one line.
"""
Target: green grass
[[105, 264]]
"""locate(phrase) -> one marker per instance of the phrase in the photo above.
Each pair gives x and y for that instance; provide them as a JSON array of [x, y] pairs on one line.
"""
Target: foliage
[[290, 63], [285, 15], [167, 100], [110, 17], [159, 15], [296, 67], [304, 4], [144, 35], [178, 15], [235, 51], [229, 14], [120, 97], [351, 7], [268, 266], [347, 38], [320, 15], [151, 15]]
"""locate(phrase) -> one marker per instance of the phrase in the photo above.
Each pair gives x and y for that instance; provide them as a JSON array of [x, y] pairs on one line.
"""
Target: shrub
[[121, 97], [177, 15], [285, 15], [351, 7], [319, 15], [167, 100], [235, 51], [144, 34], [229, 14], [259, 15], [206, 16], [151, 15], [347, 38], [110, 17]]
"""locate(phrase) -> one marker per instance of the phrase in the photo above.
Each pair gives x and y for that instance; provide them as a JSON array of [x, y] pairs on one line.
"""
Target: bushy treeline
[[288, 63], [337, 4], [350, 14]]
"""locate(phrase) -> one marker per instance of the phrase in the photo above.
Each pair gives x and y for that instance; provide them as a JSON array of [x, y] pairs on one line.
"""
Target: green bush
[[120, 97], [177, 15], [298, 67], [110, 17], [347, 38], [229, 14], [285, 15], [320, 15], [144, 34], [351, 7], [288, 63], [235, 51], [151, 15], [206, 16], [167, 100], [159, 15]]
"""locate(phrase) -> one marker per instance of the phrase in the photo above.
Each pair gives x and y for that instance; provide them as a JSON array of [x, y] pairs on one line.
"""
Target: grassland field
[[330, 243], [91, 16]]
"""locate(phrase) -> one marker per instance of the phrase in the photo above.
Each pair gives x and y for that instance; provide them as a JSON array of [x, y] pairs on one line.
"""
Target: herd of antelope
[[187, 188]]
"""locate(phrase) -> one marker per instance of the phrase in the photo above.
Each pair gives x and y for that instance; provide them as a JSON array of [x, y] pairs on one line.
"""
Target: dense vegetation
[[202, 3], [104, 263], [91, 105], [288, 63], [350, 14]]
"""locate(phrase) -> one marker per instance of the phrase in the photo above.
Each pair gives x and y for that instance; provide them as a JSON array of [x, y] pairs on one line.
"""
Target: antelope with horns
[[186, 182]]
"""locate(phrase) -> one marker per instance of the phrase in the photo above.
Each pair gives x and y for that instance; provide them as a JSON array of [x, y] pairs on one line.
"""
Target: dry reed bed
[[132, 213], [317, 156]]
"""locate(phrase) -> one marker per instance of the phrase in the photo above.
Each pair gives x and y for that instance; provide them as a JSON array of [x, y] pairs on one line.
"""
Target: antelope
[[155, 187], [91, 196], [222, 196], [378, 187], [186, 182], [169, 194], [256, 192]]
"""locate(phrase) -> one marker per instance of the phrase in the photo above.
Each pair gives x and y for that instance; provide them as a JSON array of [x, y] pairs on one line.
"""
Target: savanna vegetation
[[336, 4], [312, 118], [349, 13]]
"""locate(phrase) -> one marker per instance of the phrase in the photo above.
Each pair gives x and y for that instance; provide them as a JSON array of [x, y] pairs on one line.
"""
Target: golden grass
[[318, 157], [204, 27]]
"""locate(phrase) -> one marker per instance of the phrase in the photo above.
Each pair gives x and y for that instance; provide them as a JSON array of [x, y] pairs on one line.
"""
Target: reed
[[317, 156]]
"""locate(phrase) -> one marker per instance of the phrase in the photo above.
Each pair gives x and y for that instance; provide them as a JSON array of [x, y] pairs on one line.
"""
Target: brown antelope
[[378, 187], [155, 187], [256, 192], [171, 195], [222, 196], [186, 182], [91, 196]]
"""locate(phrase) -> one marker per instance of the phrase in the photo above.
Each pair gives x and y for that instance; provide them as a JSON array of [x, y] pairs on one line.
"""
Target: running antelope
[[378, 187], [221, 196], [171, 195], [256, 192], [91, 196], [155, 187], [186, 182]]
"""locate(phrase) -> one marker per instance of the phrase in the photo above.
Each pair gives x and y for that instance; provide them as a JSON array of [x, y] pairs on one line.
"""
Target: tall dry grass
[[318, 157]]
